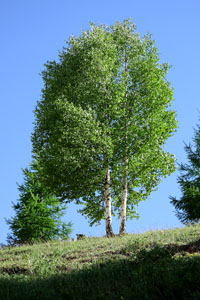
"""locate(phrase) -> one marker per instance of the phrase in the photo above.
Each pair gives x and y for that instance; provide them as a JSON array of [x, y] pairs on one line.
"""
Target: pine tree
[[38, 212], [188, 206]]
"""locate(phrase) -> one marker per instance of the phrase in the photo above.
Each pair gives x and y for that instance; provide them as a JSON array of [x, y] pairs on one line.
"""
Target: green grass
[[160, 265]]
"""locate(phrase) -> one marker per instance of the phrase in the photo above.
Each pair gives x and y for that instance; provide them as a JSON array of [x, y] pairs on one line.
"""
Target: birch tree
[[145, 120], [114, 75], [71, 145]]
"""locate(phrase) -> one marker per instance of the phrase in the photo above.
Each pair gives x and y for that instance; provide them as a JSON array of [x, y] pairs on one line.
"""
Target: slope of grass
[[154, 265]]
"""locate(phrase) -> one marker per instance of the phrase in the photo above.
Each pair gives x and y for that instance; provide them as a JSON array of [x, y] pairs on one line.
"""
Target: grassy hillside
[[155, 265]]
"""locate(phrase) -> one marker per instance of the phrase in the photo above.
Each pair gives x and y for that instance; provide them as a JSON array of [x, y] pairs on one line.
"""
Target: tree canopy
[[103, 120]]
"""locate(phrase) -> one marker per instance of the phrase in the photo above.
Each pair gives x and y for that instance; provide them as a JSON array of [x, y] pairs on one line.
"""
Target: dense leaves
[[69, 150], [105, 105]]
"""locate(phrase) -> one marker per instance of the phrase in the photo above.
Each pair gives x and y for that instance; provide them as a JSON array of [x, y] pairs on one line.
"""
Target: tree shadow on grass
[[155, 273]]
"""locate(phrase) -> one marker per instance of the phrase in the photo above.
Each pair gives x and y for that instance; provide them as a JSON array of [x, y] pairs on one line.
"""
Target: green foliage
[[188, 206], [69, 141], [106, 101], [37, 211]]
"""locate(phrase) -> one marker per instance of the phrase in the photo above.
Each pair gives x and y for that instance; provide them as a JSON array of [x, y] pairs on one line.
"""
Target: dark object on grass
[[81, 236]]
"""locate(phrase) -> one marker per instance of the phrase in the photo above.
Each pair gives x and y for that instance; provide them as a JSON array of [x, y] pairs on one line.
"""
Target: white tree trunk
[[124, 194], [109, 230], [124, 204]]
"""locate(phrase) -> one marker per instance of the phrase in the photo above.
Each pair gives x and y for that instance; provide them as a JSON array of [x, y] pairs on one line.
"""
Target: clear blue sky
[[33, 32]]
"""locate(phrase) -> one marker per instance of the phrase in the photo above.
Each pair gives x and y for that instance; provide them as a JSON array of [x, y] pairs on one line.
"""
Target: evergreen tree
[[38, 212], [188, 206]]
